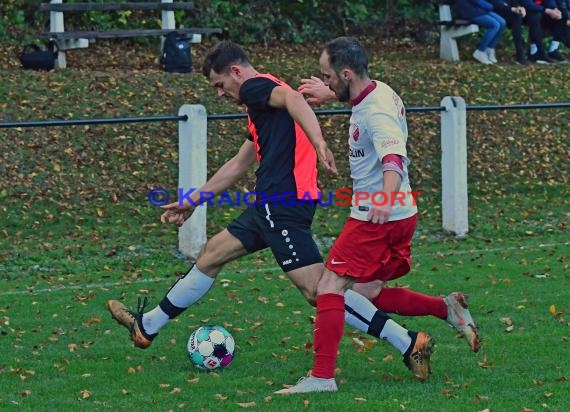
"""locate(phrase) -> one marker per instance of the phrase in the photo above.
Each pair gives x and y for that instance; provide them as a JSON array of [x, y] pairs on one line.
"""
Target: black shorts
[[284, 229]]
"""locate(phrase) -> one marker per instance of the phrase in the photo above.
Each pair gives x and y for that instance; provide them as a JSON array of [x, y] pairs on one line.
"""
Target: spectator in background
[[513, 13], [552, 21], [564, 6], [481, 13]]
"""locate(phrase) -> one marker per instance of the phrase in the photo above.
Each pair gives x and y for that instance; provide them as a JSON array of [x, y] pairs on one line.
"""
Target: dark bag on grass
[[36, 58], [176, 54]]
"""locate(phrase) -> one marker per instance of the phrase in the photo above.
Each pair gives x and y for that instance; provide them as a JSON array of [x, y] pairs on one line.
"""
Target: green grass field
[[76, 230]]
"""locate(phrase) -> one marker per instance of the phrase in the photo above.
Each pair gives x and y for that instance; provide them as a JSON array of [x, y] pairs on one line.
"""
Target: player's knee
[[369, 290], [330, 282]]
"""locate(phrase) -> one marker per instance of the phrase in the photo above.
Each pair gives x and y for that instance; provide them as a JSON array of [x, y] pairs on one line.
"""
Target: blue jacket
[[469, 9], [530, 5], [504, 6], [564, 7]]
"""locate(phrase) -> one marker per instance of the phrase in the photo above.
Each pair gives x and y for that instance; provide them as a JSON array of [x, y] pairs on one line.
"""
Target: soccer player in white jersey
[[280, 125], [374, 245]]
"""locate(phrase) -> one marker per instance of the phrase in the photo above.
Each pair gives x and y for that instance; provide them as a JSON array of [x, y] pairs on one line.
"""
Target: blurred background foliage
[[245, 21]]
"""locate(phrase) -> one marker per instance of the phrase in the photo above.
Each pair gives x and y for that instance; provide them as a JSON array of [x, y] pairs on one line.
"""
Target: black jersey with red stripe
[[287, 160]]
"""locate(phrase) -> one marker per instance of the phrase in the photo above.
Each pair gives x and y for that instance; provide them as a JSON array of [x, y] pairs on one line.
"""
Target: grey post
[[454, 165], [168, 21], [448, 34], [192, 173], [56, 25]]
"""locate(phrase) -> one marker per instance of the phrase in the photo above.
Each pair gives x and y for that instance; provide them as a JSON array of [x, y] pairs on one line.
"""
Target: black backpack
[[176, 54], [34, 57]]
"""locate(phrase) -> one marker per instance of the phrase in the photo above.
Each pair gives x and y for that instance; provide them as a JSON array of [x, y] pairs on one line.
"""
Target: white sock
[[553, 46], [396, 335], [360, 306], [154, 320], [190, 288], [185, 292], [533, 48], [363, 315]]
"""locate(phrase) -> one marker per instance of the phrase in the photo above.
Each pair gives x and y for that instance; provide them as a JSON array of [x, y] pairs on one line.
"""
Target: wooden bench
[[449, 30], [67, 40]]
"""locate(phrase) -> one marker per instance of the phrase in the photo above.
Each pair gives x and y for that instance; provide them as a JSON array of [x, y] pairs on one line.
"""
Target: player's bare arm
[[286, 98], [316, 90], [223, 179]]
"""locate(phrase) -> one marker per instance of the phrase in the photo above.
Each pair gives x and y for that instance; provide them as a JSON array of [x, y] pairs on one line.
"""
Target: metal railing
[[192, 145]]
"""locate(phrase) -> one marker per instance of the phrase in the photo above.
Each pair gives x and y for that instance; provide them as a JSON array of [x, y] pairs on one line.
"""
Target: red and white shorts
[[368, 251]]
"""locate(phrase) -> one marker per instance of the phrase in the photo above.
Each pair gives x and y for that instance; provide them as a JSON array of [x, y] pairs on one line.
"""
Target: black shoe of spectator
[[521, 60], [540, 59], [556, 56]]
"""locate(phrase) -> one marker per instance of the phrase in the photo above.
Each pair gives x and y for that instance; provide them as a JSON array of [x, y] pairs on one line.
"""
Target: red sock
[[329, 327], [406, 302]]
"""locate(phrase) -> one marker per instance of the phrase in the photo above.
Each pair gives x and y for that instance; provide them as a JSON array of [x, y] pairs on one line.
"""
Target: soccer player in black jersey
[[286, 141]]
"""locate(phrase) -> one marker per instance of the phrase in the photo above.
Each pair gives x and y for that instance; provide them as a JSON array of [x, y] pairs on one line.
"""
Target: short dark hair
[[222, 56], [347, 52]]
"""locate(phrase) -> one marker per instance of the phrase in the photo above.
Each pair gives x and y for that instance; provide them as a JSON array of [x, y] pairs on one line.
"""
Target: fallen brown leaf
[[247, 404]]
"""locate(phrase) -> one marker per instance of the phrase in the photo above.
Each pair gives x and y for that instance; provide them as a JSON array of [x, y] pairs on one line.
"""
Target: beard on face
[[343, 91]]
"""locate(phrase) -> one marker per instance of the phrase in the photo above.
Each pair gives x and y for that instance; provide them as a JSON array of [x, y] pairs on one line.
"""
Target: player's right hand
[[316, 90], [176, 214], [326, 158]]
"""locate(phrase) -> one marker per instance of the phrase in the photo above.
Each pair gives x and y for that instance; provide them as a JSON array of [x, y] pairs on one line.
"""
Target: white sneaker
[[491, 55], [481, 57], [459, 317], [310, 384]]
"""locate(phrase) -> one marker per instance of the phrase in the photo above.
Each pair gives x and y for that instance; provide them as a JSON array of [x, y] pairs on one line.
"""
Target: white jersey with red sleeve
[[378, 128]]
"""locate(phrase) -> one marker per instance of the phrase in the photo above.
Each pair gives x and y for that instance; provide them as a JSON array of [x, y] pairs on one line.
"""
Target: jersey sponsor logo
[[355, 133], [355, 153], [390, 141], [399, 106]]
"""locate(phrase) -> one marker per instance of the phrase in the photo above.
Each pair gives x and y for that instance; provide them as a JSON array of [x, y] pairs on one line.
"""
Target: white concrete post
[[454, 165], [192, 173], [168, 21], [56, 25]]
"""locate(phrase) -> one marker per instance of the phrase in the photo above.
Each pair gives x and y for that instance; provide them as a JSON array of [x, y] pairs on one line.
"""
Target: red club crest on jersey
[[355, 133]]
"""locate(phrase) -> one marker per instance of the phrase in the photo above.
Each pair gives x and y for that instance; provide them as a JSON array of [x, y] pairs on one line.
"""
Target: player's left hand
[[379, 214]]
